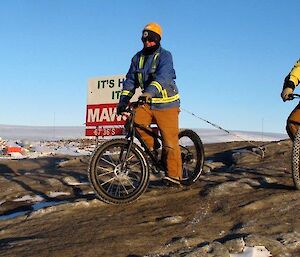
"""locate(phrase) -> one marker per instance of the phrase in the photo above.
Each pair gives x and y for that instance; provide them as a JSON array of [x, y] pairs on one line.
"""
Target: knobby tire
[[192, 157], [296, 160], [117, 181]]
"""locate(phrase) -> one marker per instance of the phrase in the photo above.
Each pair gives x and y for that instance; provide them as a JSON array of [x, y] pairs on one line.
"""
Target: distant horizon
[[53, 133], [83, 126]]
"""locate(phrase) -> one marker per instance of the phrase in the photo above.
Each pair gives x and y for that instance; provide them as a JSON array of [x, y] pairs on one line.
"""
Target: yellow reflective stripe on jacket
[[165, 99], [157, 85], [164, 93], [140, 75], [141, 61], [126, 92], [141, 66], [153, 66], [295, 73], [140, 79]]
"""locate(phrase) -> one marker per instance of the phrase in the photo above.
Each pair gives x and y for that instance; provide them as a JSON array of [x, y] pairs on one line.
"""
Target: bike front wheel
[[118, 171], [192, 155], [296, 160]]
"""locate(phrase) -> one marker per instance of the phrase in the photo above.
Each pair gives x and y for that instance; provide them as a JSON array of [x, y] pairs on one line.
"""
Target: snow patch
[[56, 194], [256, 251], [29, 198]]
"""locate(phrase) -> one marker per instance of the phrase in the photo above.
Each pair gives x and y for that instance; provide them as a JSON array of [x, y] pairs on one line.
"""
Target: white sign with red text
[[101, 112]]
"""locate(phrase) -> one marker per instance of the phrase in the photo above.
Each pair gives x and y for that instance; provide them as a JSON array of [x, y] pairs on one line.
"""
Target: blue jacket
[[155, 74]]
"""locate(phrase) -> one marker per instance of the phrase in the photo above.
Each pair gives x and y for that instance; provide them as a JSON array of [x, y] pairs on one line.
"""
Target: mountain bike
[[296, 153], [119, 169]]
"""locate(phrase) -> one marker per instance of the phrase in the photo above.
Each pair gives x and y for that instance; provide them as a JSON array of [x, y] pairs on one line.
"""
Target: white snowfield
[[45, 141], [36, 133]]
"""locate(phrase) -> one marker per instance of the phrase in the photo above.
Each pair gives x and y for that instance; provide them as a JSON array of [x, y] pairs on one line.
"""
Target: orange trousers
[[293, 122], [167, 122]]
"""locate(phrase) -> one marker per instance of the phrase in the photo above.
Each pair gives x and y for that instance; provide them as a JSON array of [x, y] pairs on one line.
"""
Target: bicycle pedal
[[170, 183], [156, 171]]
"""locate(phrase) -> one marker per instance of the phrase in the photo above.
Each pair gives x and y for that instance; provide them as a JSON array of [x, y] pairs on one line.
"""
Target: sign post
[[101, 111]]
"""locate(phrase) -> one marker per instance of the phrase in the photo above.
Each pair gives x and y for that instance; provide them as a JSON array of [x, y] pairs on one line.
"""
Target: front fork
[[124, 157]]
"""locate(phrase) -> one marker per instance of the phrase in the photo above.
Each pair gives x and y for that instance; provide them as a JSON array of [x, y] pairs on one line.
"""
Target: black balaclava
[[151, 36]]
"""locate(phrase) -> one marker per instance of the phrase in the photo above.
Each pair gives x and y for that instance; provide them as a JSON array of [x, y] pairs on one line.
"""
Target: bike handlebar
[[131, 106], [293, 96]]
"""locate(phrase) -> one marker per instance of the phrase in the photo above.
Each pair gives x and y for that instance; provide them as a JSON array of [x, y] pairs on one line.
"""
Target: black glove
[[288, 89], [145, 98], [286, 93], [121, 108]]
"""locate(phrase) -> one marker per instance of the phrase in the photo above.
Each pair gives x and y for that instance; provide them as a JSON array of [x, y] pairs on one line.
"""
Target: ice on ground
[[56, 194], [73, 182], [256, 251], [24, 198], [37, 208]]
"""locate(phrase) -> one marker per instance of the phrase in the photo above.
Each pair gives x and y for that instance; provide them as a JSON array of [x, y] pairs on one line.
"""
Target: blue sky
[[230, 57]]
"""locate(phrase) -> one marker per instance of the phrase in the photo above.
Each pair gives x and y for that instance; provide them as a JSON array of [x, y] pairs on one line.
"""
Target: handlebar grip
[[142, 100], [290, 97]]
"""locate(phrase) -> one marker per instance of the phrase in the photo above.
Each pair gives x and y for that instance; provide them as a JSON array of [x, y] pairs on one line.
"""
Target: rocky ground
[[48, 209]]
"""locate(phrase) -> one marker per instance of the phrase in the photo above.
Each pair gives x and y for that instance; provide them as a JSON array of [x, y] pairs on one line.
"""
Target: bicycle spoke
[[124, 188], [132, 156], [109, 188], [135, 177], [130, 182], [117, 187], [111, 163], [118, 191], [133, 165], [111, 159], [108, 181], [105, 169]]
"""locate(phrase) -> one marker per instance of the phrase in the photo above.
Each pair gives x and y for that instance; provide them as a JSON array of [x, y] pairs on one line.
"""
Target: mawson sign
[[101, 112]]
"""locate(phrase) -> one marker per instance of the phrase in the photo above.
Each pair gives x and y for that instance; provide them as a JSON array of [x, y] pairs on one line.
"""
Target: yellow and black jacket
[[294, 75], [293, 78]]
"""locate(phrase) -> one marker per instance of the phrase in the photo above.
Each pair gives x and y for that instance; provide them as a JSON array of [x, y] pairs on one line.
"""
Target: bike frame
[[293, 96], [132, 133]]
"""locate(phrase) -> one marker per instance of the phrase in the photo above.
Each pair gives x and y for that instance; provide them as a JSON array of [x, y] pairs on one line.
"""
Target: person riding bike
[[290, 82], [152, 70]]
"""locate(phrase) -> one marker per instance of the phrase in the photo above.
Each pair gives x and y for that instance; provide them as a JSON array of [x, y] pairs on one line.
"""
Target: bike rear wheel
[[118, 175], [192, 155], [296, 160]]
